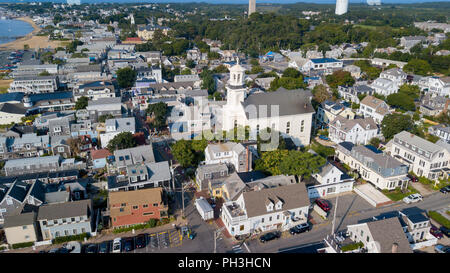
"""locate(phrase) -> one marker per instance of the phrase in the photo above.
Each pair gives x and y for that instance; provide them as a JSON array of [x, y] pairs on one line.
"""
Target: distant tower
[[251, 6], [341, 7], [132, 19]]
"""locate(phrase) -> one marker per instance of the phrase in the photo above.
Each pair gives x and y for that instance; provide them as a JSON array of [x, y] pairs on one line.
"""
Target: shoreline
[[25, 38], [30, 39]]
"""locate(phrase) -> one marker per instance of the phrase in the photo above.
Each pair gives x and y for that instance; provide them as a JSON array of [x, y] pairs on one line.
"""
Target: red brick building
[[136, 207]]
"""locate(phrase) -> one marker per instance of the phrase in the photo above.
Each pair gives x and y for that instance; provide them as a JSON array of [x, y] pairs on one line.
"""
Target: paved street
[[351, 209]]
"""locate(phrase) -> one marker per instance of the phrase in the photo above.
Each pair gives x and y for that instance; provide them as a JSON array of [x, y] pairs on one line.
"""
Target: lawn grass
[[436, 216], [397, 194]]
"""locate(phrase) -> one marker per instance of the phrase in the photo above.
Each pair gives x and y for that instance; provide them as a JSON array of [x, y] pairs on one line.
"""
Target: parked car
[[442, 249], [436, 232], [141, 241], [305, 227], [445, 230], [324, 137], [412, 178], [415, 197], [128, 244], [104, 247], [117, 245], [323, 205], [445, 189], [92, 248], [269, 236]]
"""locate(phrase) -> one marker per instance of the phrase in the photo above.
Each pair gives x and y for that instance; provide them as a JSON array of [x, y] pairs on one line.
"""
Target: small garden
[[150, 224], [79, 237], [436, 216], [398, 194], [432, 184], [22, 245], [351, 247]]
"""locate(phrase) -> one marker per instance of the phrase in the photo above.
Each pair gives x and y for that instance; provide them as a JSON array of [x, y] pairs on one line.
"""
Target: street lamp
[[216, 235]]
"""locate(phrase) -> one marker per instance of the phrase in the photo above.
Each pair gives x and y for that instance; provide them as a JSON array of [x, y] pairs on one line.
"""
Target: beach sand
[[30, 39], [4, 85]]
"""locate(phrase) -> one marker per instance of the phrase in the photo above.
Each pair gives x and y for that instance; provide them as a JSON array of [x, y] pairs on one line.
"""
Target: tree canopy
[[395, 123], [122, 140], [320, 93], [81, 103], [289, 163], [126, 77], [159, 112], [340, 77]]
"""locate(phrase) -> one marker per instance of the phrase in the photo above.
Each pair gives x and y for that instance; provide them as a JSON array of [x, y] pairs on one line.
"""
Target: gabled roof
[[64, 210], [22, 219], [294, 196], [13, 109], [289, 102], [388, 232]]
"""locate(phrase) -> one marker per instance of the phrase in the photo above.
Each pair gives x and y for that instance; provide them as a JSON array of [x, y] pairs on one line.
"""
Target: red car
[[323, 205], [436, 232]]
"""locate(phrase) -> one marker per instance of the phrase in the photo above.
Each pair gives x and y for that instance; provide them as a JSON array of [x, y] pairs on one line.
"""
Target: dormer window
[[269, 205]]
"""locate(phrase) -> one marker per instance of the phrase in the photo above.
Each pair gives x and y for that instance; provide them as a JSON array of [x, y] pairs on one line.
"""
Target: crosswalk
[[237, 249]]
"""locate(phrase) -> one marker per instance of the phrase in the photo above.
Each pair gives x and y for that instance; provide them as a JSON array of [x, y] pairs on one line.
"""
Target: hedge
[[351, 247], [436, 216], [22, 245], [150, 224], [79, 237]]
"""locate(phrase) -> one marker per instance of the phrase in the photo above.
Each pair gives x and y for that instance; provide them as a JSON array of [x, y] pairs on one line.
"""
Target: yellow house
[[147, 32], [20, 228]]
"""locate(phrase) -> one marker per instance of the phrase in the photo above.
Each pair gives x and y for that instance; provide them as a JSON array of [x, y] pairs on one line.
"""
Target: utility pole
[[182, 195], [334, 216], [216, 235]]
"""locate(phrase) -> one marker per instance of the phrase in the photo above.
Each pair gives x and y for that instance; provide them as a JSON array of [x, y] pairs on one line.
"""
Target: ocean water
[[10, 30]]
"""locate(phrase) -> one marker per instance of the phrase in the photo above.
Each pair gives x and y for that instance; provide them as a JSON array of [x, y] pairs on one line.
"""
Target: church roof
[[289, 102]]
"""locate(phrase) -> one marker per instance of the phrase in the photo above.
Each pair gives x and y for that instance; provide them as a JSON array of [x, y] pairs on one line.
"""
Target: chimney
[[394, 248]]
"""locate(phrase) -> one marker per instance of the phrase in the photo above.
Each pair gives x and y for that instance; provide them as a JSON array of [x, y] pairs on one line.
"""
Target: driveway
[[423, 190]]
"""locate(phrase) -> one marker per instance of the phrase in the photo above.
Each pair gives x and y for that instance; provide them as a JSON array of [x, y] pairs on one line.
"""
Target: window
[[262, 220], [135, 207], [66, 232], [147, 213], [367, 239], [24, 227], [145, 206], [73, 219], [75, 232], [60, 149], [241, 228], [83, 230], [270, 219], [155, 204], [121, 209], [123, 204]]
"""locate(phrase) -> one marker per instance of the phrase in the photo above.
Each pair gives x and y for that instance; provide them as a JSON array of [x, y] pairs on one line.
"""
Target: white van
[[117, 245]]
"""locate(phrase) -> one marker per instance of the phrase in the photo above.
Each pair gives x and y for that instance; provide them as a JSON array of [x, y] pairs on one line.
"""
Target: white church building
[[288, 111]]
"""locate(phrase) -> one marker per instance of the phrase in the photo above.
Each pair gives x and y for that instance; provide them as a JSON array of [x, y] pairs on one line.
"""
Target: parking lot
[[153, 242]]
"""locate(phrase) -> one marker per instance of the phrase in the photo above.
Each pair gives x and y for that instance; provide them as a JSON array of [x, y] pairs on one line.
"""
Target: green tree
[[287, 83], [419, 67], [213, 55], [402, 101], [190, 63], [208, 81], [320, 93], [159, 112], [126, 77], [269, 162], [291, 73], [183, 154], [122, 140], [375, 142], [339, 78], [302, 164], [103, 118], [395, 123], [221, 69], [186, 71], [81, 103], [44, 73]]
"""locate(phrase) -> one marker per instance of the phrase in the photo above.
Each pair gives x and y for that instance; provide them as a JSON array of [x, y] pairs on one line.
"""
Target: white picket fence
[[423, 244]]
